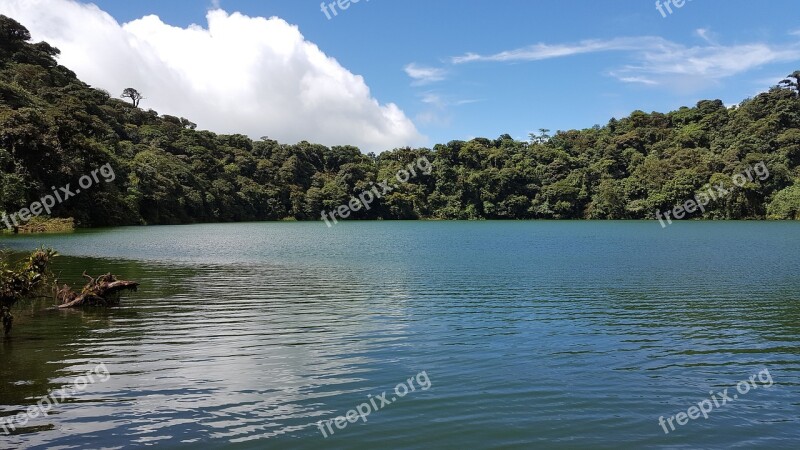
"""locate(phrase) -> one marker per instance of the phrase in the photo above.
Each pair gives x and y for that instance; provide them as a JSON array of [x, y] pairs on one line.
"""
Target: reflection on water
[[534, 334]]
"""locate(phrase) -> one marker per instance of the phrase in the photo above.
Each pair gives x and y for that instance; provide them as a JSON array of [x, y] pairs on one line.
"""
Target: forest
[[55, 128]]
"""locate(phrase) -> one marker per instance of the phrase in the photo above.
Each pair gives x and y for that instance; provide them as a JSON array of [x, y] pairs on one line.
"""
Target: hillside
[[55, 129]]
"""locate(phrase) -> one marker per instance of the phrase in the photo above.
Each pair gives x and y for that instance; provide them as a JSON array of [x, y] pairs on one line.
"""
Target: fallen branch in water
[[103, 291]]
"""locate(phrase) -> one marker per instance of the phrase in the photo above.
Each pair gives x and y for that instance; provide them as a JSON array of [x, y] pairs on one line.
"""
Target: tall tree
[[792, 82], [12, 33], [132, 94]]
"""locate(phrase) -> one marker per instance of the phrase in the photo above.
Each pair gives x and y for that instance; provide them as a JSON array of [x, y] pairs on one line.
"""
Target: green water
[[531, 334]]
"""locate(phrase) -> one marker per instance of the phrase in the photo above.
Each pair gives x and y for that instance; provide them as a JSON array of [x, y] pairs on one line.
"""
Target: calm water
[[532, 335]]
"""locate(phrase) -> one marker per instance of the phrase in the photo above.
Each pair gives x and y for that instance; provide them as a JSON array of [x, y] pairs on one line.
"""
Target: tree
[[12, 32], [542, 138], [792, 82], [132, 94], [786, 204], [53, 127]]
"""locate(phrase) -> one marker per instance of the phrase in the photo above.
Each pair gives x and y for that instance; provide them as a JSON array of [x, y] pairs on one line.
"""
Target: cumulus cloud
[[238, 74]]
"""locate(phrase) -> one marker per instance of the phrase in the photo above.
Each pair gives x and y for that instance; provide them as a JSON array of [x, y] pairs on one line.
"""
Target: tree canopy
[[132, 94], [55, 128]]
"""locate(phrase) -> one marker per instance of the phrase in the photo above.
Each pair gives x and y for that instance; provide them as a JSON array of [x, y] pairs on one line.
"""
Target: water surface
[[533, 334]]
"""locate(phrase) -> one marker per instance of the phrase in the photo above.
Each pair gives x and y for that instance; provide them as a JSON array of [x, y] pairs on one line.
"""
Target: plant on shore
[[22, 280], [42, 224], [31, 277]]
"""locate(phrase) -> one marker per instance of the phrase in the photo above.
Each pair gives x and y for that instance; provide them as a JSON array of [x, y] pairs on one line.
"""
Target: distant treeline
[[55, 128]]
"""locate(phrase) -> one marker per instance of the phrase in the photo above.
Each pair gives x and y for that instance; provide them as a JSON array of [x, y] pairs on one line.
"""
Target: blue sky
[[486, 68]]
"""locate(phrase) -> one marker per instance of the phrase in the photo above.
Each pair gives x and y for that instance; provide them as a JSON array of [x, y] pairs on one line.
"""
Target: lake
[[502, 335]]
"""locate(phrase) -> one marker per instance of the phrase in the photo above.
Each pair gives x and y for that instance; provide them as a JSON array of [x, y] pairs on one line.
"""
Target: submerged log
[[103, 291]]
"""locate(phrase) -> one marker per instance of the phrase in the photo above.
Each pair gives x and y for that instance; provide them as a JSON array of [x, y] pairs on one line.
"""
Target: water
[[531, 334]]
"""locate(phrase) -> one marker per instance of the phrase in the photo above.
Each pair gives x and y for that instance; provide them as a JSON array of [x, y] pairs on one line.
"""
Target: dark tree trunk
[[104, 291]]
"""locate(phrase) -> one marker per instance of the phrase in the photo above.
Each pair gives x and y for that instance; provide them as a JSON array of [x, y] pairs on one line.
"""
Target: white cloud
[[424, 75], [438, 109], [657, 61], [542, 51], [433, 99], [639, 80], [710, 62], [706, 35], [241, 74]]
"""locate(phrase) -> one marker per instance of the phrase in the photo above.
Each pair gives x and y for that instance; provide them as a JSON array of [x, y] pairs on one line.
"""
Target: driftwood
[[103, 291]]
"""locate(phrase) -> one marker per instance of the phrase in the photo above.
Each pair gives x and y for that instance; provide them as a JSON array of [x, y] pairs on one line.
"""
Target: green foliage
[[12, 33], [54, 128], [786, 204], [42, 224], [21, 280]]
